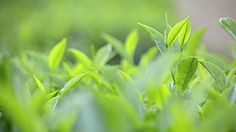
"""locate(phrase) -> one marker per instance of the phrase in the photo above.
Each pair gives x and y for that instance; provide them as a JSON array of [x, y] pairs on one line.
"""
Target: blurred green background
[[37, 25]]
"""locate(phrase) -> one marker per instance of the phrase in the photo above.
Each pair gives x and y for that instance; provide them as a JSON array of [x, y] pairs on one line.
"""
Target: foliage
[[176, 86]]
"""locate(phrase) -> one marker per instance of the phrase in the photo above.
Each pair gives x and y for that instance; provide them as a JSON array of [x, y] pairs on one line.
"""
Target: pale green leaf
[[184, 34], [194, 41], [71, 83], [131, 43], [229, 25], [217, 73], [103, 54], [148, 56], [56, 55], [39, 84], [185, 72], [118, 46], [157, 37], [175, 31], [81, 57]]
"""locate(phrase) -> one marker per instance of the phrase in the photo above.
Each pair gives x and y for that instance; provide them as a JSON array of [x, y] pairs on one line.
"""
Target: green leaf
[[81, 57], [103, 54], [148, 56], [71, 83], [218, 74], [185, 72], [229, 25], [184, 34], [39, 84], [194, 41], [131, 43], [157, 37], [118, 46], [56, 55], [176, 30]]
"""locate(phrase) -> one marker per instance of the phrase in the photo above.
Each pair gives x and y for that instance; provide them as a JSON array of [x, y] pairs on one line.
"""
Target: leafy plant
[[184, 88]]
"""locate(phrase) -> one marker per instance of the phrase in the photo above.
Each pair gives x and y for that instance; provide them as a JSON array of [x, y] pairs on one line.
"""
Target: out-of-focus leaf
[[103, 54], [217, 73], [176, 31], [157, 37], [81, 57], [71, 83], [131, 43], [184, 34], [194, 41], [56, 55], [229, 25], [39, 84], [118, 46], [185, 71], [148, 56]]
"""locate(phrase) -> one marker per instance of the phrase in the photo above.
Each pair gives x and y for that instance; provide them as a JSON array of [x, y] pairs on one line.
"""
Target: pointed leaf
[[131, 43], [56, 55], [39, 84], [194, 41], [103, 54], [184, 34], [81, 57], [71, 83], [229, 25], [118, 46], [185, 72], [157, 37], [218, 74], [175, 31]]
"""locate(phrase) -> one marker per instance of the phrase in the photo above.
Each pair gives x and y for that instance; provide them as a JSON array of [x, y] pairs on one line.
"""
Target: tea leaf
[[71, 83], [184, 34], [39, 84], [131, 43], [229, 25], [148, 56], [103, 54], [185, 71], [56, 55], [194, 41], [81, 57], [176, 30], [119, 47], [218, 74], [157, 37]]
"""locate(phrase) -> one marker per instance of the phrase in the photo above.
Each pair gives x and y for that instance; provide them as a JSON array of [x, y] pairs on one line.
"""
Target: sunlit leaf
[[176, 31], [184, 34], [66, 88], [56, 55], [81, 57], [39, 84], [131, 43]]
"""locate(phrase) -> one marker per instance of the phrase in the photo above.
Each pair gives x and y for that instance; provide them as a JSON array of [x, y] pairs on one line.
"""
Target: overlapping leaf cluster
[[176, 86]]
